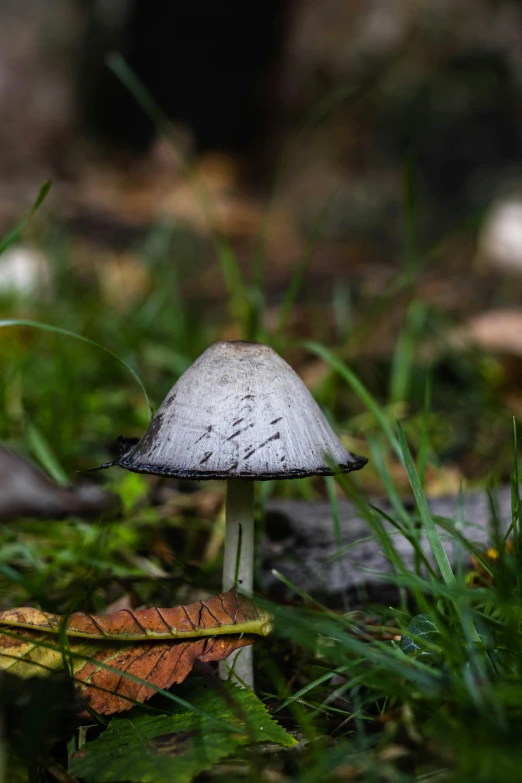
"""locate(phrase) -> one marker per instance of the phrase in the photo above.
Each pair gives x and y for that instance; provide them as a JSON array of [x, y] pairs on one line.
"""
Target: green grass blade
[[432, 534], [299, 275], [43, 452], [13, 236], [67, 333], [389, 485], [342, 309], [411, 537], [404, 354], [117, 64], [405, 526], [360, 390], [315, 683], [515, 496], [374, 521], [380, 653], [374, 517], [424, 445]]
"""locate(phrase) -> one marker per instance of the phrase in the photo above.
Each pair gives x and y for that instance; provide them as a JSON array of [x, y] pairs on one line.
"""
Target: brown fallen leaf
[[226, 613], [159, 646], [496, 331], [29, 653]]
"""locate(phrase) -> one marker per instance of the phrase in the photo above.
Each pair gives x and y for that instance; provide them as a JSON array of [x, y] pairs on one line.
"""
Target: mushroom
[[240, 414]]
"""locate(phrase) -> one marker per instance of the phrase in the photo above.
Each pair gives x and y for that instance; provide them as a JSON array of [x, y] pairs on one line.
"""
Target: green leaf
[[141, 747], [422, 628]]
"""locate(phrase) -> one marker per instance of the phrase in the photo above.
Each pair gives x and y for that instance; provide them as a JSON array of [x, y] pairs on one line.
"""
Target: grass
[[427, 690]]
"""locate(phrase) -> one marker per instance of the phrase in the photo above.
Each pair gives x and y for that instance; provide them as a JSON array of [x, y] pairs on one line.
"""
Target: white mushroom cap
[[240, 411]]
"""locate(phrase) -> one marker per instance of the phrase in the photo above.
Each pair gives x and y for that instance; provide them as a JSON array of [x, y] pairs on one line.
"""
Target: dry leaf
[[123, 279], [222, 614], [144, 643], [496, 331], [161, 664]]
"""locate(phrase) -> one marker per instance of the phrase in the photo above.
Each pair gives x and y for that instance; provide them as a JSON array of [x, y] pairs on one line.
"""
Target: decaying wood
[[301, 543], [25, 491]]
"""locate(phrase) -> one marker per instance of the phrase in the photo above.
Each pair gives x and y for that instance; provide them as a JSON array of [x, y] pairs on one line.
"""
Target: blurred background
[[341, 180], [348, 173]]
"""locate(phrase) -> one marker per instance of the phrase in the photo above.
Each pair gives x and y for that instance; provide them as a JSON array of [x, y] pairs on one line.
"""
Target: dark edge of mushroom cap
[[201, 475]]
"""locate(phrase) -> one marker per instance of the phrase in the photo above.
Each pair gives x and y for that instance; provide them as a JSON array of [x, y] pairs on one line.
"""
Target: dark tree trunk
[[209, 64]]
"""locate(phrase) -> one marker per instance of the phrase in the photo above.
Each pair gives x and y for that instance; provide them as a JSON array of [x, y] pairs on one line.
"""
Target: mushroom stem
[[238, 566]]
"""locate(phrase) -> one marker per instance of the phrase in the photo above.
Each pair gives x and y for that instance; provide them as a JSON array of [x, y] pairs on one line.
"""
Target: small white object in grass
[[24, 271], [500, 242]]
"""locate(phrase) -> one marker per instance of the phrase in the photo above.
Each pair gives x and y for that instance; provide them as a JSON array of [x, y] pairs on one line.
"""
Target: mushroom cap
[[239, 411]]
